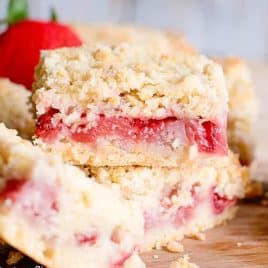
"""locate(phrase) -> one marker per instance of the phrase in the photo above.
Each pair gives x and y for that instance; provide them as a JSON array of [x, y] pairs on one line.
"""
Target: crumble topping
[[174, 246], [129, 80], [231, 178]]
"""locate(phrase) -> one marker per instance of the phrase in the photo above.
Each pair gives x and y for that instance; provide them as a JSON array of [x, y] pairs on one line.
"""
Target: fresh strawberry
[[21, 43]]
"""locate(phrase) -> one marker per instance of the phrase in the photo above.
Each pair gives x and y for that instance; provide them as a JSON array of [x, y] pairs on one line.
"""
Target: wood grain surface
[[243, 242]]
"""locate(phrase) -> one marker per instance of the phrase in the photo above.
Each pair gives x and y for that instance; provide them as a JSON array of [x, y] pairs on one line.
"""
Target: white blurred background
[[223, 27]]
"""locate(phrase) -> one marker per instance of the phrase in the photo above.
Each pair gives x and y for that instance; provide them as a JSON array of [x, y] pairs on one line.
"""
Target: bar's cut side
[[15, 108], [54, 214], [242, 108], [127, 105], [179, 202]]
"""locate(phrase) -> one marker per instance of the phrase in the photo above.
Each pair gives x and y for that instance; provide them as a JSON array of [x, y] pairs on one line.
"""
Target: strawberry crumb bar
[[242, 108], [242, 98], [179, 202], [15, 108], [53, 213], [128, 105]]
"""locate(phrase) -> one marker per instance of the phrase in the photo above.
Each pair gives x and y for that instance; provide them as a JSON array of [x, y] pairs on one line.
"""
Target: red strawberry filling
[[220, 203], [209, 136], [86, 239], [34, 199], [45, 128], [122, 259], [12, 189], [167, 216]]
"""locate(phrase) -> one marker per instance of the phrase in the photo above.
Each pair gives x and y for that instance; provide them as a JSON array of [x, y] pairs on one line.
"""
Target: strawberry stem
[[17, 11], [53, 14]]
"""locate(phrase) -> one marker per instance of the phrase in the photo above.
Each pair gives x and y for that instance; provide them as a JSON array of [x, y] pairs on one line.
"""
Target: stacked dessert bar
[[149, 125], [126, 105]]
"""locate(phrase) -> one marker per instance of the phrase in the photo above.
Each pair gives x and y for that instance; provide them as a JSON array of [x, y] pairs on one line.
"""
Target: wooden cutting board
[[243, 242]]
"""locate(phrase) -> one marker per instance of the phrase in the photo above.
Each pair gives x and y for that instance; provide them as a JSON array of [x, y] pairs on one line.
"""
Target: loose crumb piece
[[183, 262], [155, 257], [175, 246], [199, 236], [264, 202], [254, 190], [14, 257], [239, 244]]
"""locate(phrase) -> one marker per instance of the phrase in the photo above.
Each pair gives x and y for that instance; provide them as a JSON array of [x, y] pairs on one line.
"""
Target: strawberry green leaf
[[53, 14], [17, 11]]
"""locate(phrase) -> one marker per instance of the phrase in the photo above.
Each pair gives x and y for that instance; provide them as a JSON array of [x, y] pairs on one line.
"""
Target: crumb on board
[[254, 190], [199, 236], [155, 257], [175, 246], [264, 202], [14, 257], [183, 262], [239, 244]]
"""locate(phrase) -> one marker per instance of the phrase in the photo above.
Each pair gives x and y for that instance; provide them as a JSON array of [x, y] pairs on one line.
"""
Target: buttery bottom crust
[[109, 153]]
